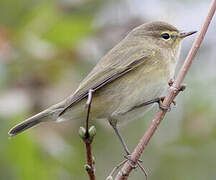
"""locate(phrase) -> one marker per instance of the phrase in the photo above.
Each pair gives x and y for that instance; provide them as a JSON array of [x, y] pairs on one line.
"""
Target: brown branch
[[90, 161], [172, 93], [87, 134], [89, 167]]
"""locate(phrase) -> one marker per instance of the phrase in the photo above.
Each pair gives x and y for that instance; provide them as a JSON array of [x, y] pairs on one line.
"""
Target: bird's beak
[[183, 35]]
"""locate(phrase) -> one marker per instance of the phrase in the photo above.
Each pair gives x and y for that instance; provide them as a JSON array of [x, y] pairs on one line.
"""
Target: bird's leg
[[160, 99], [113, 123]]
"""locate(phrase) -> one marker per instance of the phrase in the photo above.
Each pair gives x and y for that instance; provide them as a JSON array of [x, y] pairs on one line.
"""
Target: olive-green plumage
[[135, 71]]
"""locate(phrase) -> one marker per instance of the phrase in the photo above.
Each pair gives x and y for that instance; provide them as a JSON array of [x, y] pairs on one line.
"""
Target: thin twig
[[90, 161], [87, 134], [88, 104], [172, 93]]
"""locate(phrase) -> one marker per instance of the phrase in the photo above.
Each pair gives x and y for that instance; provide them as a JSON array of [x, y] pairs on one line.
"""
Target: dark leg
[[113, 123], [159, 100], [156, 100]]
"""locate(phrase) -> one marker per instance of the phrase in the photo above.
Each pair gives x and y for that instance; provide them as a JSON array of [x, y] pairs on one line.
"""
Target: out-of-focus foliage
[[47, 47]]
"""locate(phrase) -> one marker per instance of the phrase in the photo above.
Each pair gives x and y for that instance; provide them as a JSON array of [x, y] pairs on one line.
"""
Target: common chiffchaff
[[135, 71]]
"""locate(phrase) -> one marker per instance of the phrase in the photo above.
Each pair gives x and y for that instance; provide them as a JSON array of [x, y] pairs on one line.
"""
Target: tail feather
[[32, 121]]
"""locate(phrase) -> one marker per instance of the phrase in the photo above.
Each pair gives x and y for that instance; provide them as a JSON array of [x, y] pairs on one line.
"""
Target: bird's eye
[[165, 36]]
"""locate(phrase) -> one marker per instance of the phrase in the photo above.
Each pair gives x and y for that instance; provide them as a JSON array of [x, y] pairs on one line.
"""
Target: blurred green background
[[47, 47]]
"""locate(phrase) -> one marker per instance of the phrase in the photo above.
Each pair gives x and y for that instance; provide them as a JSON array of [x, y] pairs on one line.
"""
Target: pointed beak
[[183, 35]]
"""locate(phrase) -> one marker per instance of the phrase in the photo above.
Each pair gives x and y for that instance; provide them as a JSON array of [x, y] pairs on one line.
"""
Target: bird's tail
[[30, 122]]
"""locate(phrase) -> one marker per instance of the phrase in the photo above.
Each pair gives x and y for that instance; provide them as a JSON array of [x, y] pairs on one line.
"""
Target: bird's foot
[[164, 108], [134, 165], [131, 162]]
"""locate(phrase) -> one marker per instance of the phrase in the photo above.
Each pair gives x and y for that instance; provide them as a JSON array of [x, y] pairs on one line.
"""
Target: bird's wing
[[119, 60]]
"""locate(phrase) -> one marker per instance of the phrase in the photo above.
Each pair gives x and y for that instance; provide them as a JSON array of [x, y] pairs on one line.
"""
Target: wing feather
[[123, 58]]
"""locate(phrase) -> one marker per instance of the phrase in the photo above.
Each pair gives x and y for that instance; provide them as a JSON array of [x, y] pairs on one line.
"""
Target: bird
[[135, 71]]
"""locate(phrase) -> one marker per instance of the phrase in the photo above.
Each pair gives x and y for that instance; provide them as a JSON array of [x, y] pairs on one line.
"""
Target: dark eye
[[165, 36]]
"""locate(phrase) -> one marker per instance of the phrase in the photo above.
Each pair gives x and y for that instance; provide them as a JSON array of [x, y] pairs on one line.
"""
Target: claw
[[162, 99], [128, 158], [164, 108], [130, 162]]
